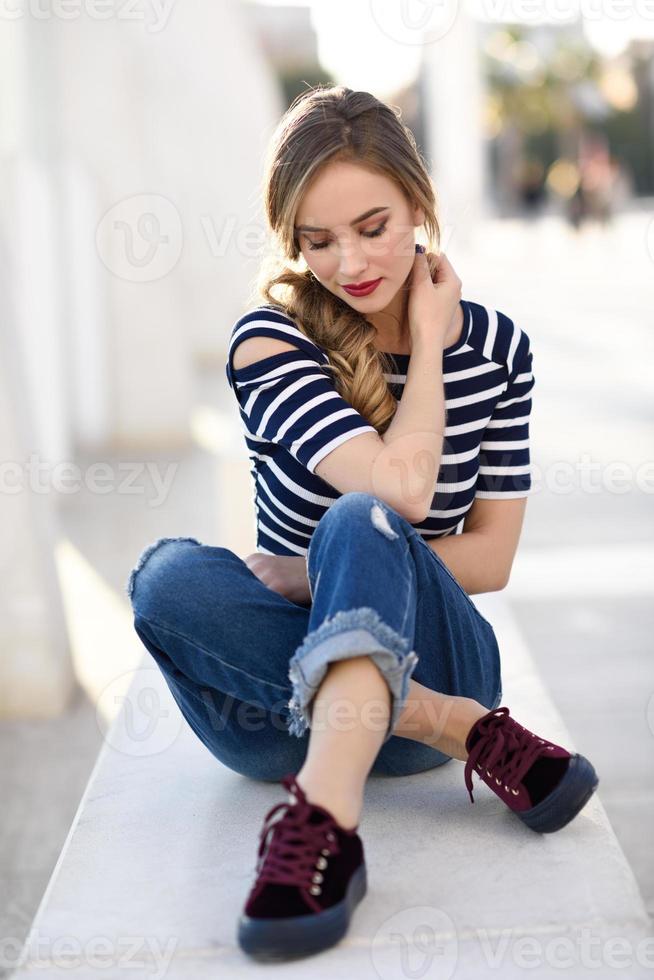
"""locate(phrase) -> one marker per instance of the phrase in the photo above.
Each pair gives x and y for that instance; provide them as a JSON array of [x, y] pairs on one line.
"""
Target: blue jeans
[[243, 662]]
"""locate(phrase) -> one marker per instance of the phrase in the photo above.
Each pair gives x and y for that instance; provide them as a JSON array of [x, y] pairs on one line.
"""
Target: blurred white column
[[453, 92], [163, 117], [36, 673]]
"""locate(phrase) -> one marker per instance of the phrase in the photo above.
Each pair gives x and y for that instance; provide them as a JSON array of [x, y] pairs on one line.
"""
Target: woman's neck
[[392, 325], [399, 342]]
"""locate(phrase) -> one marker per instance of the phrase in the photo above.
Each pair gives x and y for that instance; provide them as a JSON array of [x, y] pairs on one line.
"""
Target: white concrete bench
[[161, 856]]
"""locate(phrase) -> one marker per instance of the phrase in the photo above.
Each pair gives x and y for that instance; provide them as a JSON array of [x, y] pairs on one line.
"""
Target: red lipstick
[[362, 288]]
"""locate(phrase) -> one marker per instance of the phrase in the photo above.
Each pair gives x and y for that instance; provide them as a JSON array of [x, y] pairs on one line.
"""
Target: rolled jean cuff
[[350, 633], [497, 700]]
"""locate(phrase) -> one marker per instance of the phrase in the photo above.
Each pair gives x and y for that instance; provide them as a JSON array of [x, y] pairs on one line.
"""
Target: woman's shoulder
[[273, 320], [266, 318], [496, 334]]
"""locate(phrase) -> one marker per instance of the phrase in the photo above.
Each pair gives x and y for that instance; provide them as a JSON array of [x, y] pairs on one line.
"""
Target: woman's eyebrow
[[361, 217]]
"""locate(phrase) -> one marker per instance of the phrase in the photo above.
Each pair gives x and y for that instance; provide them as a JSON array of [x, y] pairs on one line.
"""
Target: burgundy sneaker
[[310, 878], [541, 782]]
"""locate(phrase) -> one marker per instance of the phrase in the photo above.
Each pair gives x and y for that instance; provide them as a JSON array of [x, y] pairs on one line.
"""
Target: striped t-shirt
[[293, 416]]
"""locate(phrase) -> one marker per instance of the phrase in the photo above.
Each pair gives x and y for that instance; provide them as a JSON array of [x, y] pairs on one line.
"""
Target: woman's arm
[[472, 559], [481, 557]]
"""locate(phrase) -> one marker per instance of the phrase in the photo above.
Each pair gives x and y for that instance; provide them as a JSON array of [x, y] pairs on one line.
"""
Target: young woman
[[380, 410]]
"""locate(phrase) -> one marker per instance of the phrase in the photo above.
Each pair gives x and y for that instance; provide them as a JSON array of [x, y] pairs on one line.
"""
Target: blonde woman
[[387, 421]]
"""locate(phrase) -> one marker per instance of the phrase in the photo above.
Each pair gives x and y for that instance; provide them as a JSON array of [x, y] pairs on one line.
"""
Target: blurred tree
[[545, 89], [297, 80]]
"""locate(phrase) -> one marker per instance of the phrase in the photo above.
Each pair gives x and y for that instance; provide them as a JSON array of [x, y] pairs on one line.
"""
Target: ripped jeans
[[243, 662]]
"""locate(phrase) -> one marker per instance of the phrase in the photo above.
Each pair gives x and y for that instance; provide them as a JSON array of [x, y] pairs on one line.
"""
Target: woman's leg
[[343, 745], [457, 678], [385, 589], [223, 639]]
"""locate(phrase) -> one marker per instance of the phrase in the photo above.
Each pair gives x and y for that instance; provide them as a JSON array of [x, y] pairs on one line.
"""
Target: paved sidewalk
[[162, 855]]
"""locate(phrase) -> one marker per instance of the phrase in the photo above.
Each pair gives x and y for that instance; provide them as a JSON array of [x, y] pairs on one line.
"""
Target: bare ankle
[[345, 807]]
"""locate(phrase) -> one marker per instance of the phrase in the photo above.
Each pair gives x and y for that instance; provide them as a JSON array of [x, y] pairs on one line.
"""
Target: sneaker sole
[[564, 803], [270, 940]]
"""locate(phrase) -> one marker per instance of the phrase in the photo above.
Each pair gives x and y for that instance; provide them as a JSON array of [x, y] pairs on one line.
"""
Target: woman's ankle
[[345, 806], [441, 721]]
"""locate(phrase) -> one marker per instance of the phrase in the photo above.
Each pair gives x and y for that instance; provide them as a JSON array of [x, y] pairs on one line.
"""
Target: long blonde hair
[[325, 124]]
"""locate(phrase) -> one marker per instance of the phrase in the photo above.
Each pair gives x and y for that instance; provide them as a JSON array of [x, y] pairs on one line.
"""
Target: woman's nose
[[353, 263]]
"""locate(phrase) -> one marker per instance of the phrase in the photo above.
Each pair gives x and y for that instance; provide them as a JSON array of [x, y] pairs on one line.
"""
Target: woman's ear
[[418, 216]]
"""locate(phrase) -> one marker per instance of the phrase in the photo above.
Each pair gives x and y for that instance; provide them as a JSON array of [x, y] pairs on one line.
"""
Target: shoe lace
[[504, 748], [289, 846]]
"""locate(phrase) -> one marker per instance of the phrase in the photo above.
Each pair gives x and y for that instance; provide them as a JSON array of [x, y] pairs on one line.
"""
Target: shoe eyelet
[[488, 772], [325, 850], [330, 836], [315, 889], [479, 766], [550, 747], [515, 791], [317, 877], [506, 787], [321, 863], [498, 781]]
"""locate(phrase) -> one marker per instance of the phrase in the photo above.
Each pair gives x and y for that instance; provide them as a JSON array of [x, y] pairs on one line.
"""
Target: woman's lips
[[362, 290]]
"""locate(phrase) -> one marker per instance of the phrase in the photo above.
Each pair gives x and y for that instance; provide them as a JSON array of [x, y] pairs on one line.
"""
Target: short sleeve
[[504, 458], [289, 398]]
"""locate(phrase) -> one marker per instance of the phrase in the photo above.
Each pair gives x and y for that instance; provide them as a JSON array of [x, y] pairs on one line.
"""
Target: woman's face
[[341, 250]]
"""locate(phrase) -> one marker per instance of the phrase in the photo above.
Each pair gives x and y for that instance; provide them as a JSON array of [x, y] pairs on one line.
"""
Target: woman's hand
[[435, 292], [286, 574]]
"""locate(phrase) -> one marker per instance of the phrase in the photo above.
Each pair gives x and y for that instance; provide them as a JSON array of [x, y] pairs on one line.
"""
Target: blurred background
[[131, 229]]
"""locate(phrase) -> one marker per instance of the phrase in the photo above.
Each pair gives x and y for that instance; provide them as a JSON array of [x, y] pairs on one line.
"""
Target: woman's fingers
[[445, 269]]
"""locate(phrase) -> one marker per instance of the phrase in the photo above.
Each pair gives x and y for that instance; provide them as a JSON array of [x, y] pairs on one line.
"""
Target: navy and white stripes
[[292, 417]]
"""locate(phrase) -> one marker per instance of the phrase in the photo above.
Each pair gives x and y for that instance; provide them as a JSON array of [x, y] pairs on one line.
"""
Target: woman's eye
[[368, 234], [376, 232]]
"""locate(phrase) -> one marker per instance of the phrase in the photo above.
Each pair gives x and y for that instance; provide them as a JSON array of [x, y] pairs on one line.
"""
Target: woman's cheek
[[404, 247]]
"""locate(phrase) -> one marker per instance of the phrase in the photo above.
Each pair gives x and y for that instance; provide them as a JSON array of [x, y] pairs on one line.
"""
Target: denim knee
[[357, 511], [152, 560], [351, 632], [358, 505]]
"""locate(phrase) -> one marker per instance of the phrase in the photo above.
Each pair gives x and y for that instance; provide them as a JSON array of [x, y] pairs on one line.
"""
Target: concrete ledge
[[161, 855]]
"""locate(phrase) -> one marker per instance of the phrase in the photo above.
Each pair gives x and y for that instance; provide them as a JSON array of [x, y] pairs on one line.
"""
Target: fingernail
[[420, 248]]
